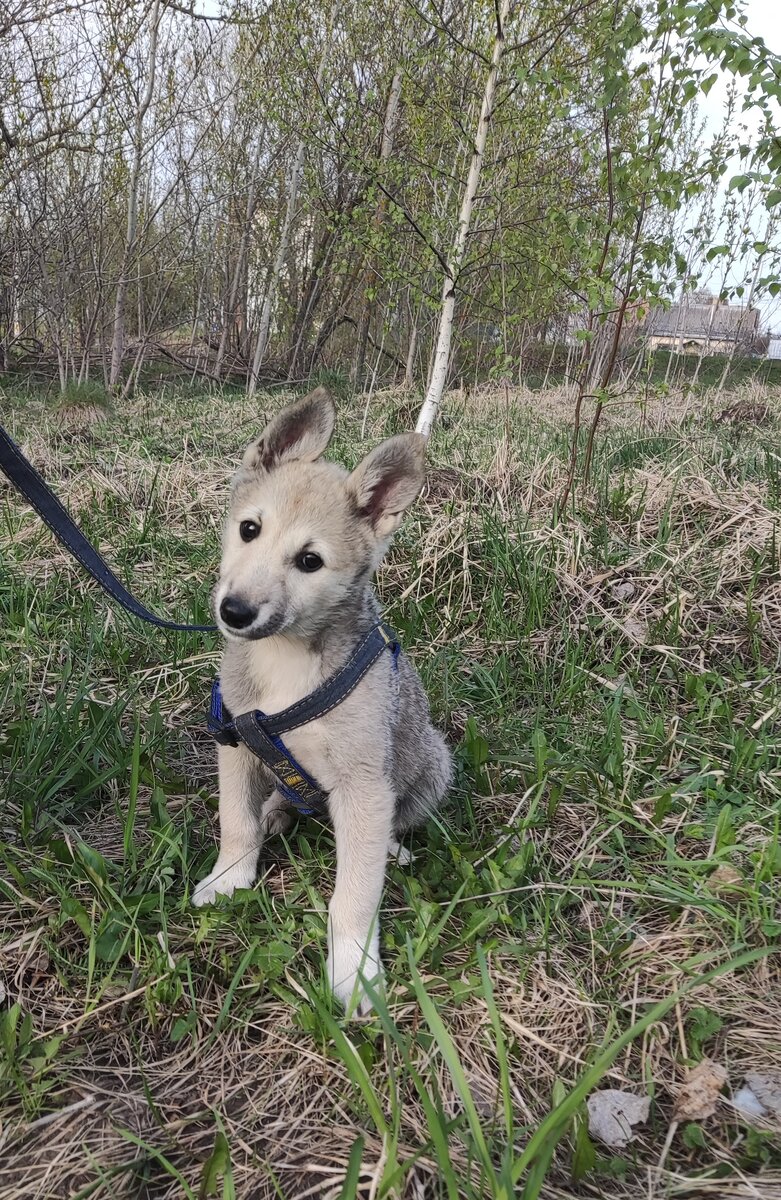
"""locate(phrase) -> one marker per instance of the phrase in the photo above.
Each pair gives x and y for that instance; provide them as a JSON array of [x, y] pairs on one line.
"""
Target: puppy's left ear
[[299, 433], [388, 480]]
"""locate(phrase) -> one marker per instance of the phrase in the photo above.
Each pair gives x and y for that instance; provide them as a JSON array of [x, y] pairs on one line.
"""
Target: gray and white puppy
[[294, 598]]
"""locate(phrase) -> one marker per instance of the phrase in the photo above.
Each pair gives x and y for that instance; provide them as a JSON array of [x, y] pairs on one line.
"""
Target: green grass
[[90, 393], [610, 685]]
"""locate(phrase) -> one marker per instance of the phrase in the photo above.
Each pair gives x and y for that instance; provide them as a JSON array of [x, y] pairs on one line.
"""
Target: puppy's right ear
[[300, 433]]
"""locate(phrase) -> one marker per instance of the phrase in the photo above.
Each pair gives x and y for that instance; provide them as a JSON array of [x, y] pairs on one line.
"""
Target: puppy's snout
[[237, 613]]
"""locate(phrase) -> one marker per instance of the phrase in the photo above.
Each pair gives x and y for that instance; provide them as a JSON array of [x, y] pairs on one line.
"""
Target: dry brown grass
[[581, 943]]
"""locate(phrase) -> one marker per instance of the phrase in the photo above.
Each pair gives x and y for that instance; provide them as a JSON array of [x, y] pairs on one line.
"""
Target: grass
[[610, 683], [80, 405]]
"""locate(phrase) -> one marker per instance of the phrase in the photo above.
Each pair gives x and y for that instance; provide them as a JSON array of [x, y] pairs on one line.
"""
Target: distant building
[[774, 348], [691, 328]]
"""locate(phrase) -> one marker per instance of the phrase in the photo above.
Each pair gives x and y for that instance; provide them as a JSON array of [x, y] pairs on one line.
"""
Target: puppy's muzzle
[[236, 613]]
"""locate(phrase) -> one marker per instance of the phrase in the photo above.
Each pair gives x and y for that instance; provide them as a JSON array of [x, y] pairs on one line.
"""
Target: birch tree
[[455, 258]]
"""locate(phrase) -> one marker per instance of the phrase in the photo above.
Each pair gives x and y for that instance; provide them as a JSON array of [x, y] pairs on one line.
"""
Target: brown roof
[[703, 320]]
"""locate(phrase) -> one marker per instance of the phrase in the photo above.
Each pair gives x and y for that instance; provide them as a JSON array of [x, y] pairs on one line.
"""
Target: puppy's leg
[[241, 833], [362, 822], [275, 817]]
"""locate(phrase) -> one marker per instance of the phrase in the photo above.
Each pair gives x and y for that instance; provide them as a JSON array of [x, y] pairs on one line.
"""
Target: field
[[598, 906]]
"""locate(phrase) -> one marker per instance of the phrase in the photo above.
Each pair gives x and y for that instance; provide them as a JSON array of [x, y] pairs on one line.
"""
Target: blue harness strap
[[261, 733]]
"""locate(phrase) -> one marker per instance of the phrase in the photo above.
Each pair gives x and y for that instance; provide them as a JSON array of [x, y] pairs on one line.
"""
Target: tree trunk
[[269, 302], [439, 370], [240, 266], [386, 149], [311, 294], [123, 283]]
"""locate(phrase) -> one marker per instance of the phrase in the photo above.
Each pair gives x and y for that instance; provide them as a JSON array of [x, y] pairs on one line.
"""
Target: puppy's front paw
[[222, 881], [350, 961]]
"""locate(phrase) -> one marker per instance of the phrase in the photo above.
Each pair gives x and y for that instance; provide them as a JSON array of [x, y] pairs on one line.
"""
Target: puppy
[[294, 599]]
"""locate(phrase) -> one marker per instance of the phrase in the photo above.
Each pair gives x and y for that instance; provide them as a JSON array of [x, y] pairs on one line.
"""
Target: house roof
[[703, 320]]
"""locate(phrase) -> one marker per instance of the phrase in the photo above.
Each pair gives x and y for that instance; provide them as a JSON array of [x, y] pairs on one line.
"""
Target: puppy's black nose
[[237, 613]]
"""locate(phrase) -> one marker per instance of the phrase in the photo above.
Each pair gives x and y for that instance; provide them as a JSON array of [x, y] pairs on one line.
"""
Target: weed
[[611, 686]]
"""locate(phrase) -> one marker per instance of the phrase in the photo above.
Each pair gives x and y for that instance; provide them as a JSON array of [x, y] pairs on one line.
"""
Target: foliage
[[168, 223]]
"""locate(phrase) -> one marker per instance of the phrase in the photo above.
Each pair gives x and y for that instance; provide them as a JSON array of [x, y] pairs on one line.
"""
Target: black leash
[[259, 732], [26, 479]]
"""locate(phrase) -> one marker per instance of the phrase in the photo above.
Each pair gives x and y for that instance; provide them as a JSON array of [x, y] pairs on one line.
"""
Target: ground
[[598, 905]]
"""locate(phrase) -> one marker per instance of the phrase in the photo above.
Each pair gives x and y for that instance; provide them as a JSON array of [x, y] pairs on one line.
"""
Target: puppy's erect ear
[[300, 433], [388, 480]]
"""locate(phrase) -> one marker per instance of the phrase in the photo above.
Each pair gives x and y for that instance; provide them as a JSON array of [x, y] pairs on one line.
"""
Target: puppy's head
[[303, 536]]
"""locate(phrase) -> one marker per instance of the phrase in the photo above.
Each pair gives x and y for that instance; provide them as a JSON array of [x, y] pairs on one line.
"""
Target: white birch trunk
[[123, 283], [441, 363]]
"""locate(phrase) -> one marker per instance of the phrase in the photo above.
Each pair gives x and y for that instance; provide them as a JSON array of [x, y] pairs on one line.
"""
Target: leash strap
[[261, 733], [36, 491]]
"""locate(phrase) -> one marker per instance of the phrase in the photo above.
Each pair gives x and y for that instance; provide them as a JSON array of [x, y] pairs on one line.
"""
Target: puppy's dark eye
[[308, 561], [249, 530]]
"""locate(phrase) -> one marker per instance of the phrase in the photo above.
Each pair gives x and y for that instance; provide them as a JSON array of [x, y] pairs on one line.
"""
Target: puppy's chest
[[271, 677], [335, 747], [271, 680]]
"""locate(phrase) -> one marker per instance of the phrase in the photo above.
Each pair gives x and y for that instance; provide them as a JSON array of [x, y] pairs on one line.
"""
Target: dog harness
[[261, 733]]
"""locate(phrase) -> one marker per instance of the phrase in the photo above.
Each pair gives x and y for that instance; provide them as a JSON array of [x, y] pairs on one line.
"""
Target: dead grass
[[642, 599]]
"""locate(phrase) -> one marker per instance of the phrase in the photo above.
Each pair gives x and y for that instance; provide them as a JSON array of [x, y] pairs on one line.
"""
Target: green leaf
[[217, 1164], [95, 863], [74, 909], [184, 1025], [353, 1172], [693, 1137], [585, 1157]]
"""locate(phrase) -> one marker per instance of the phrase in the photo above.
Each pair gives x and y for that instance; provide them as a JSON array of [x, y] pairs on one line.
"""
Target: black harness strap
[[26, 479], [336, 689], [261, 733], [298, 787]]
